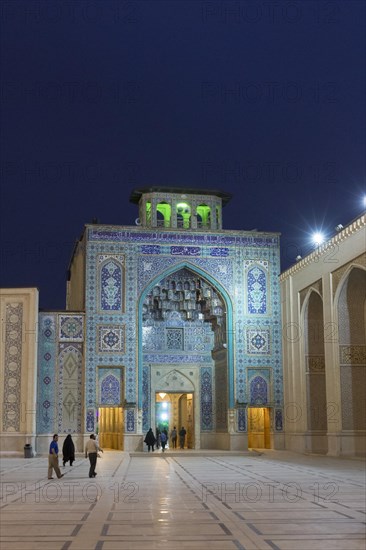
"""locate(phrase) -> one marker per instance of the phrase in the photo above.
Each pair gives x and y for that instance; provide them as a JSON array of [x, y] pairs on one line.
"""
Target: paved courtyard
[[273, 500]]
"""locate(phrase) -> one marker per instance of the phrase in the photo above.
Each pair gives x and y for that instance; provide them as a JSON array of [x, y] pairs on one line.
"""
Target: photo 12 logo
[[271, 491], [67, 492]]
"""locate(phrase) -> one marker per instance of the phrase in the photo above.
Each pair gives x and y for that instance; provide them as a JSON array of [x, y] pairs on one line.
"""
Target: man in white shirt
[[91, 450]]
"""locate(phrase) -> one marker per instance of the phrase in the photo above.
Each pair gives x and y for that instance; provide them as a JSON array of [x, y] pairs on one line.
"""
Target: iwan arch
[[185, 347], [176, 321]]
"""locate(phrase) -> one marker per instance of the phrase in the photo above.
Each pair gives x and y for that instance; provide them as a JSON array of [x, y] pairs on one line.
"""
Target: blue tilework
[[109, 386], [278, 420], [130, 421], [147, 258], [145, 399], [242, 419], [69, 387], [258, 391], [111, 286], [206, 399], [257, 290], [47, 373]]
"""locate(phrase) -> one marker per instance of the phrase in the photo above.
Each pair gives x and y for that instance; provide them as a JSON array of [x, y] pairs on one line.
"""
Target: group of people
[[161, 438], [92, 449], [68, 455]]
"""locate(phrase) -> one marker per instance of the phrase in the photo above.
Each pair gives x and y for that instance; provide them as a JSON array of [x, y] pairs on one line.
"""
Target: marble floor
[[271, 500]]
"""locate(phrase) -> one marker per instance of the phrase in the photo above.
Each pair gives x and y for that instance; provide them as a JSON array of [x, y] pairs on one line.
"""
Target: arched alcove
[[185, 316], [351, 309], [315, 372], [163, 214], [203, 216]]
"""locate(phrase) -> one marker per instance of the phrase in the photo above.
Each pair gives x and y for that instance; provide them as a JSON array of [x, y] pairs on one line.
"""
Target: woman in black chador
[[68, 450], [150, 440]]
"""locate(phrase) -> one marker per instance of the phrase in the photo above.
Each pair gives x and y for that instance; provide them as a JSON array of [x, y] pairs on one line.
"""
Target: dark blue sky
[[265, 100]]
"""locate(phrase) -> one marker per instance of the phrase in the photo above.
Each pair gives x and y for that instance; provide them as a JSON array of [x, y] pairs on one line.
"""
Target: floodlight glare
[[318, 238]]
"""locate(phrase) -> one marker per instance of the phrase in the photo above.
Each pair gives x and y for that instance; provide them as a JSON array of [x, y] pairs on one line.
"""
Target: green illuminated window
[[204, 215], [183, 214], [164, 212]]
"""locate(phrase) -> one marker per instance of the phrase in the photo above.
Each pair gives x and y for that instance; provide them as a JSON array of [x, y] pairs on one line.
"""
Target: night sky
[[265, 100]]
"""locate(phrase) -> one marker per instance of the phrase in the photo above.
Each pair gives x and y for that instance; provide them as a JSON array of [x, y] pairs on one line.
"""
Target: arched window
[[203, 216], [163, 214], [183, 215]]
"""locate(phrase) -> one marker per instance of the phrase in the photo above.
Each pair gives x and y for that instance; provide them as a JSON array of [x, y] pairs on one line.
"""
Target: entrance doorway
[[259, 428], [175, 409], [110, 428]]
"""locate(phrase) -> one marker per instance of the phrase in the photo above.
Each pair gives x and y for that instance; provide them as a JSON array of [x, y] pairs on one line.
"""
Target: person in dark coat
[[173, 435], [182, 437], [150, 440], [68, 450]]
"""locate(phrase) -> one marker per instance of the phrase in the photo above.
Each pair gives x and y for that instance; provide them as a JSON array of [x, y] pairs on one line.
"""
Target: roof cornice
[[345, 233]]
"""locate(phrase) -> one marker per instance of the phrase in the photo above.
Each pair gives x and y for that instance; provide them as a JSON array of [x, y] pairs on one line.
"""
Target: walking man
[[91, 450], [53, 459], [163, 439]]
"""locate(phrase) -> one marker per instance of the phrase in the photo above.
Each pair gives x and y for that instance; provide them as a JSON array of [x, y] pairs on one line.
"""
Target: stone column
[[332, 369]]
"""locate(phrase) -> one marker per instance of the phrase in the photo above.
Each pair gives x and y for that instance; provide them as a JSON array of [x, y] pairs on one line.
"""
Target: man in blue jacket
[[53, 459]]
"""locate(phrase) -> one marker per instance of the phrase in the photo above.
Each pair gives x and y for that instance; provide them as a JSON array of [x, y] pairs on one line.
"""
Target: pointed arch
[[203, 213], [229, 321], [184, 212], [304, 304], [314, 330], [343, 280], [350, 314], [359, 307], [315, 375], [178, 382], [163, 214]]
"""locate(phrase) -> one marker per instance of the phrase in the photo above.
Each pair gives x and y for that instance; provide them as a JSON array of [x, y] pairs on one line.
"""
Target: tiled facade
[[124, 264]]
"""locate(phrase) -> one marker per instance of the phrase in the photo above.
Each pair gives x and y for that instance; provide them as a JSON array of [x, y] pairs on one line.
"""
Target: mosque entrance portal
[[175, 410], [110, 428]]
